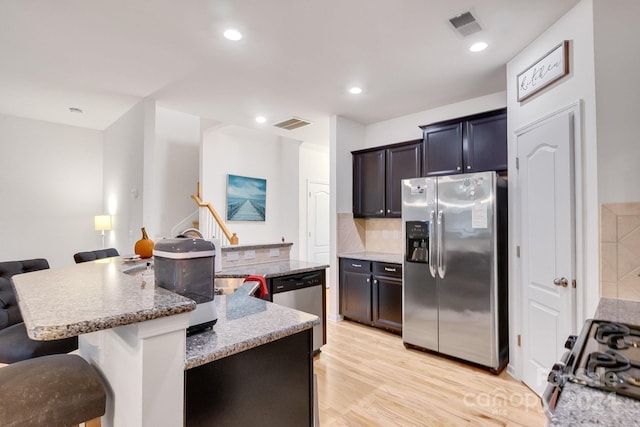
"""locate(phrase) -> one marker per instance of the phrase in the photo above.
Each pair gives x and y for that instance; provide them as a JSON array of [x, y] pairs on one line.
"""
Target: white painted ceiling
[[297, 57]]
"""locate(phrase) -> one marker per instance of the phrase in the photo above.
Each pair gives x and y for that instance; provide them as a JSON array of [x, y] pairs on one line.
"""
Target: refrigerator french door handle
[[440, 236], [432, 264]]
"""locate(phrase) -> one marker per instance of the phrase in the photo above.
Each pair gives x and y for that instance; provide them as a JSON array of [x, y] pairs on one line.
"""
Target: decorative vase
[[144, 246]]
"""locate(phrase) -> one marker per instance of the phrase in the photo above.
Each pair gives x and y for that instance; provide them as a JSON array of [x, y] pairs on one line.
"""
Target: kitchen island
[[135, 335], [579, 405], [253, 368]]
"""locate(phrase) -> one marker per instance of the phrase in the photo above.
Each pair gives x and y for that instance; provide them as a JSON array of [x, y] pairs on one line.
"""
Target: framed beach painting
[[246, 198]]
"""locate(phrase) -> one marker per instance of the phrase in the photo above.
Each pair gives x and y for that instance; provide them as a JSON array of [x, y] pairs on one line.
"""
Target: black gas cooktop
[[605, 356]]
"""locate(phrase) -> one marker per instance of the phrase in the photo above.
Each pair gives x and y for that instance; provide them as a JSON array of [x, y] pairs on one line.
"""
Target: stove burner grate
[[610, 360], [617, 336]]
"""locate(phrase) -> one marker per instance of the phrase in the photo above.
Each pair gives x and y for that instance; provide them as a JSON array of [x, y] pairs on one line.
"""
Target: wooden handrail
[[232, 237]]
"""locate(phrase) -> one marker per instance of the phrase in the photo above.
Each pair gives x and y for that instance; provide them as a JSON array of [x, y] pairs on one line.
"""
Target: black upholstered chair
[[94, 255], [15, 344], [57, 390]]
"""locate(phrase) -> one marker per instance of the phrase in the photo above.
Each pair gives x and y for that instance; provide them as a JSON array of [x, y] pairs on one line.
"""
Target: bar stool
[[59, 390], [94, 255]]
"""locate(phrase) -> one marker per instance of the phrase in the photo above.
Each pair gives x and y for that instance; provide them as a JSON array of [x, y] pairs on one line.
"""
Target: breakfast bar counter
[[91, 296]]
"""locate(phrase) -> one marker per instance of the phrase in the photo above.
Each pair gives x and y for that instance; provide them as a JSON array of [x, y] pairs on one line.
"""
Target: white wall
[[313, 167], [617, 64], [175, 174], [347, 136], [242, 151], [407, 127], [151, 160], [51, 189], [124, 177], [576, 26]]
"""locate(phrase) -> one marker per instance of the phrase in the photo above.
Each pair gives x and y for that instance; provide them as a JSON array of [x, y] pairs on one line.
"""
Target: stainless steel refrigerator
[[455, 266]]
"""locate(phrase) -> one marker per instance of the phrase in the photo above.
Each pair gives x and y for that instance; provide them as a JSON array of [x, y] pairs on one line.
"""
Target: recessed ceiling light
[[478, 47], [75, 110], [355, 90], [261, 119], [233, 34]]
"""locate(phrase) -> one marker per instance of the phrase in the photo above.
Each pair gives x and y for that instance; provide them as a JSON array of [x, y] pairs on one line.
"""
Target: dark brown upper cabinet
[[469, 144], [376, 178]]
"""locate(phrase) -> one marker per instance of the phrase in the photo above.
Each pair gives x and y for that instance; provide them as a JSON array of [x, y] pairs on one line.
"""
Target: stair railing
[[231, 237]]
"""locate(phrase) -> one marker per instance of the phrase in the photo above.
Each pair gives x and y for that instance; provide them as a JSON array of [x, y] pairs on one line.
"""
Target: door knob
[[561, 282]]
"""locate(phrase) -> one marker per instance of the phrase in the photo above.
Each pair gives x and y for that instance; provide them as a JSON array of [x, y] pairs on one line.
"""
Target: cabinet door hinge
[[517, 162], [519, 340], [518, 251], [573, 283]]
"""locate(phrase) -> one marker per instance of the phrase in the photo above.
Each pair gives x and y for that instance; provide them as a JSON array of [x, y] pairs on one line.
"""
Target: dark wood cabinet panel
[[355, 289], [387, 303], [486, 144], [469, 144], [376, 178], [371, 293], [442, 152], [402, 162], [216, 393], [368, 184]]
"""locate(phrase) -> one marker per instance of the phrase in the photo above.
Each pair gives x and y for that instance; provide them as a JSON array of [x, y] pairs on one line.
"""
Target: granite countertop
[[583, 406], [64, 302], [270, 269], [244, 322], [374, 256], [234, 248]]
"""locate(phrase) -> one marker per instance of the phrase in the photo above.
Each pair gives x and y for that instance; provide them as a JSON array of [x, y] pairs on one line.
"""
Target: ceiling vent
[[465, 24], [292, 123]]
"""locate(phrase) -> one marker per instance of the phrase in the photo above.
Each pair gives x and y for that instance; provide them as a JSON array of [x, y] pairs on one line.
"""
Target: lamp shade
[[102, 222]]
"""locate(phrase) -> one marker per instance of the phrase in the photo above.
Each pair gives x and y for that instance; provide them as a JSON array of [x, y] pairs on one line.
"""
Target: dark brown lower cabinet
[[387, 296], [371, 293], [268, 385]]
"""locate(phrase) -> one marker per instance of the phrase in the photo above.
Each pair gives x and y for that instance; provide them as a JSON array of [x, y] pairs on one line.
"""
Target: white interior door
[[547, 243], [318, 223]]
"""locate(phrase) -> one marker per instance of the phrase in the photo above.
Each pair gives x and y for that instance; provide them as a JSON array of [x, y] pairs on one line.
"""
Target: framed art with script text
[[551, 67]]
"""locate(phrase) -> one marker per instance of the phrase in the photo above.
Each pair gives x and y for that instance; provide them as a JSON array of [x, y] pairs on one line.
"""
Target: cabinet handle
[[458, 168], [368, 280], [356, 265], [375, 281], [381, 211], [388, 210], [468, 167], [390, 269]]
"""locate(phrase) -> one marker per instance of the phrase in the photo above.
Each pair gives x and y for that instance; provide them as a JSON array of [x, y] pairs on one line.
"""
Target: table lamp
[[102, 223]]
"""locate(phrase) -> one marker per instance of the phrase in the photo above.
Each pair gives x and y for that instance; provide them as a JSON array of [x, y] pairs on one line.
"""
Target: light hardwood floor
[[366, 377]]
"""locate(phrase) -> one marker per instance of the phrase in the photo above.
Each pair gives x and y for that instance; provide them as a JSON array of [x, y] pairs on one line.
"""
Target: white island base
[[144, 365]]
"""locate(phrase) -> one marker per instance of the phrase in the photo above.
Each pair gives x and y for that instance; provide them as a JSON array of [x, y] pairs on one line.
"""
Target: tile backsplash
[[372, 235], [620, 250]]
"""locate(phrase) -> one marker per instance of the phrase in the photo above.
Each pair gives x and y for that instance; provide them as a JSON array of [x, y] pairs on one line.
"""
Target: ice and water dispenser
[[417, 241]]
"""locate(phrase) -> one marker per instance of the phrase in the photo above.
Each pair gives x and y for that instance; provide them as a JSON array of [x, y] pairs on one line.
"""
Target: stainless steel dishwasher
[[303, 292]]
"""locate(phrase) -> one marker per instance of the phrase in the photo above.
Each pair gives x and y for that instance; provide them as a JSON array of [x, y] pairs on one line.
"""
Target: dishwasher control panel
[[296, 281]]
